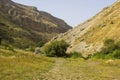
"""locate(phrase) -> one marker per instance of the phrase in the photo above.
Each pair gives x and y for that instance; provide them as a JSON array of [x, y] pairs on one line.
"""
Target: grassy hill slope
[[89, 36], [28, 26]]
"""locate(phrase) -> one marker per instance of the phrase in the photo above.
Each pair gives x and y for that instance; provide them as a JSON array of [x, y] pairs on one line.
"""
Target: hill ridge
[[27, 22]]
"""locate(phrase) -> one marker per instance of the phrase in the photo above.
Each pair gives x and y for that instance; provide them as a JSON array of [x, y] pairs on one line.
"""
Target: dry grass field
[[21, 65]]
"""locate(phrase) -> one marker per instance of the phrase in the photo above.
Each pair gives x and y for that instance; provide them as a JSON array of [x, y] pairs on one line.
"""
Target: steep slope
[[27, 24], [89, 36]]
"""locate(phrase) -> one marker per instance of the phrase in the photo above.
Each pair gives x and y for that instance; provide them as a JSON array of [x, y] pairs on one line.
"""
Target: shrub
[[23, 43], [5, 43], [116, 54], [10, 48], [75, 55], [5, 35], [118, 45], [111, 49], [40, 44], [109, 46], [109, 42], [99, 55], [55, 48], [31, 49]]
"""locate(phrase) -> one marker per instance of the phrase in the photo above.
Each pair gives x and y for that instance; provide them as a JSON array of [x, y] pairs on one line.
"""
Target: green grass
[[80, 69], [21, 65], [93, 69]]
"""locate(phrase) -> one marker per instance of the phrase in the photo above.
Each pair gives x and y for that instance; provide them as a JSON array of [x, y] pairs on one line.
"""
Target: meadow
[[21, 65], [24, 65]]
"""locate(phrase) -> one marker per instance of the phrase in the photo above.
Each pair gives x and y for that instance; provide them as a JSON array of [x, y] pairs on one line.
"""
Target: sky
[[73, 12]]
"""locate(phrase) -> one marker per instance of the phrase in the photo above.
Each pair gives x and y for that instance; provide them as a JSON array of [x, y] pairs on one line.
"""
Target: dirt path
[[67, 69], [55, 73], [63, 71]]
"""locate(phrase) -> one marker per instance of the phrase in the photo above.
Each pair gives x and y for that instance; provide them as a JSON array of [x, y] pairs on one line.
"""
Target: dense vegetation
[[21, 24], [55, 48], [111, 49], [4, 34], [13, 35]]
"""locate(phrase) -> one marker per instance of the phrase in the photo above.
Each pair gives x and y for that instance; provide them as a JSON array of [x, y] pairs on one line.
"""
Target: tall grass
[[22, 65]]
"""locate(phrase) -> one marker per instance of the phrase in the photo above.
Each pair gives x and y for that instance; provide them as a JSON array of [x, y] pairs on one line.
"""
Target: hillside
[[89, 36], [22, 27], [26, 25]]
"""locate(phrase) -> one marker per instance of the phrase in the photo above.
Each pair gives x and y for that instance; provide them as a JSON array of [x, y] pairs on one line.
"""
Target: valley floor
[[78, 69], [22, 65]]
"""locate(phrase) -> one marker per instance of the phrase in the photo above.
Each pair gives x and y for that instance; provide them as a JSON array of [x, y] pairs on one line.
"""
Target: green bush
[[55, 48], [5, 35], [22, 43], [109, 42], [32, 49], [109, 46], [116, 54], [111, 49], [40, 44], [5, 43], [75, 55], [10, 48], [99, 55]]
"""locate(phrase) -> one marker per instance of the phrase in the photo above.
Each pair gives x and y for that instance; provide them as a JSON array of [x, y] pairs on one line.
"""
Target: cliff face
[[89, 36], [28, 22]]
